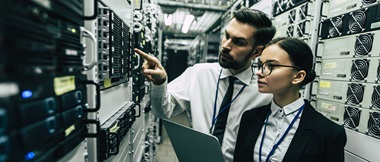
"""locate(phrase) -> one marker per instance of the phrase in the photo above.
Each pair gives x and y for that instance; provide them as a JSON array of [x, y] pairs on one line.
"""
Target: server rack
[[56, 104], [45, 116]]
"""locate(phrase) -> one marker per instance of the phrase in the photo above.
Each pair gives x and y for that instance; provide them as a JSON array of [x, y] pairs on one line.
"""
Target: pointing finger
[[146, 56]]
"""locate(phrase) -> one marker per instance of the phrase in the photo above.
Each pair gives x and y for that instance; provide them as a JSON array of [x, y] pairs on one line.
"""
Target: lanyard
[[216, 98], [283, 136]]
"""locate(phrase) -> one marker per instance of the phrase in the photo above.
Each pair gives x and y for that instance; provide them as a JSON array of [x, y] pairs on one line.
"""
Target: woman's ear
[[257, 52], [299, 77]]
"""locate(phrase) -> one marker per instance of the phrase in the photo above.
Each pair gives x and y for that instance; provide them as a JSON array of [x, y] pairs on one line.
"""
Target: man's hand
[[152, 68]]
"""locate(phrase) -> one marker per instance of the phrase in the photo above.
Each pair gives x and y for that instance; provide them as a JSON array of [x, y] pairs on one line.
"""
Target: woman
[[288, 129]]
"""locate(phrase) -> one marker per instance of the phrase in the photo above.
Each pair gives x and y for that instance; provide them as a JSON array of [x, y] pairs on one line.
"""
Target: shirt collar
[[290, 108], [245, 76]]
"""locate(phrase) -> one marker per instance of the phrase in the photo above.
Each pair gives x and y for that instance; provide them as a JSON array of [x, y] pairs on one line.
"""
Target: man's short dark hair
[[265, 30]]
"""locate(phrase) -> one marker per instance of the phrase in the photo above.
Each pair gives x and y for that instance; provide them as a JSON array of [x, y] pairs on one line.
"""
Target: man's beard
[[230, 63]]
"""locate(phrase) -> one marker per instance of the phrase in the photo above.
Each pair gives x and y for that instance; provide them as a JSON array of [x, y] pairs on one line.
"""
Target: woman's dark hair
[[264, 28], [299, 53]]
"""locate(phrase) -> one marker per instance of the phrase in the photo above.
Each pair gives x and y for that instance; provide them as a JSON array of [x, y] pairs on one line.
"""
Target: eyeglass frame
[[260, 67]]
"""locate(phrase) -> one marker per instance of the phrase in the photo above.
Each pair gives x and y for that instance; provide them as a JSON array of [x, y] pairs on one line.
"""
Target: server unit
[[350, 69], [114, 50], [114, 130], [355, 118], [350, 93], [358, 45], [358, 21], [338, 7]]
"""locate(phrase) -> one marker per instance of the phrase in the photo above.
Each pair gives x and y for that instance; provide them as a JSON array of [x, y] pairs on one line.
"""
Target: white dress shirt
[[278, 122], [196, 87]]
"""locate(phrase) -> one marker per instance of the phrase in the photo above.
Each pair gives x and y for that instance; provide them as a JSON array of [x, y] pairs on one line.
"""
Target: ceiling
[[207, 13]]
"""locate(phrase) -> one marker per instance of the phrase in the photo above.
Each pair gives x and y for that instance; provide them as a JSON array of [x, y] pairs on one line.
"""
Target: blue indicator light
[[26, 94], [29, 156]]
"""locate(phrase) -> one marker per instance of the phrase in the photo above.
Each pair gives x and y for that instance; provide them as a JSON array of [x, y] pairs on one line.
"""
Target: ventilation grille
[[292, 16], [368, 1], [376, 97], [303, 12], [351, 117], [359, 69], [374, 124], [357, 21], [301, 29], [279, 7], [290, 31], [355, 93], [363, 44], [289, 4], [335, 27]]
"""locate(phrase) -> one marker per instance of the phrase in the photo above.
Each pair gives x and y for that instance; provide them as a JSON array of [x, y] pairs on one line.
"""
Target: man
[[203, 86]]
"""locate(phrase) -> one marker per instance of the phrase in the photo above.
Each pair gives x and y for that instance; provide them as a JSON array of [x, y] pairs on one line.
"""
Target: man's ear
[[257, 51]]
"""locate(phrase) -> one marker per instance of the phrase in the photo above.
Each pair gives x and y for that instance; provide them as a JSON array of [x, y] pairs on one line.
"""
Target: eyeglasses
[[267, 67]]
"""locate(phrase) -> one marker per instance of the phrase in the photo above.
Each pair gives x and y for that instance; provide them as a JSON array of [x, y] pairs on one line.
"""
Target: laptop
[[191, 145]]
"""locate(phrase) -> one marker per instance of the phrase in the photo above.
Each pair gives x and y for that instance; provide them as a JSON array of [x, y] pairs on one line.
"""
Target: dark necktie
[[221, 120]]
